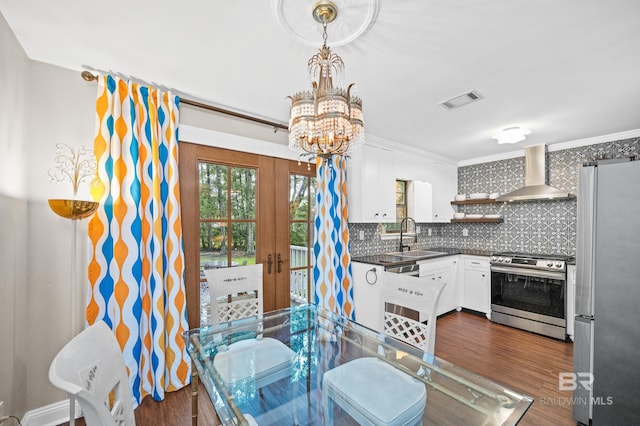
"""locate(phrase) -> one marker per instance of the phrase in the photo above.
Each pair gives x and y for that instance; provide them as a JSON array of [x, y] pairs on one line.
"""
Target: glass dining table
[[320, 341]]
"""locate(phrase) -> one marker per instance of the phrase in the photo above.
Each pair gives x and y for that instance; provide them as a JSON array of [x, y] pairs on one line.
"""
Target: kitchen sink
[[419, 254]]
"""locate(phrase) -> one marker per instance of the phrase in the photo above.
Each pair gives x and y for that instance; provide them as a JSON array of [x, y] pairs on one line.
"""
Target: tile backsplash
[[533, 227]]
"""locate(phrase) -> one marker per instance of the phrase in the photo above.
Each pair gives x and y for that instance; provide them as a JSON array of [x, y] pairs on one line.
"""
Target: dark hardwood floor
[[525, 362]]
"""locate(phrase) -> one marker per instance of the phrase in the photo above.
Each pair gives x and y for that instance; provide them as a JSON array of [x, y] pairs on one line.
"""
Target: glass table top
[[276, 387]]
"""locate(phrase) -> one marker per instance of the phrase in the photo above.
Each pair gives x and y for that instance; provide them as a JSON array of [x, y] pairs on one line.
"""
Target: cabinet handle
[[279, 261], [384, 215], [475, 263], [269, 263]]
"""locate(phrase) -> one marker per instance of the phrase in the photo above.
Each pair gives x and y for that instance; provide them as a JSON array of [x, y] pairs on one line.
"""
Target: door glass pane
[[302, 205], [213, 191], [227, 221], [213, 244], [243, 251], [299, 197], [299, 249], [299, 284], [312, 200], [243, 193]]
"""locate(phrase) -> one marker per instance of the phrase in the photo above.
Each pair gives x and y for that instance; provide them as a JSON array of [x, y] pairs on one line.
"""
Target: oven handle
[[529, 272]]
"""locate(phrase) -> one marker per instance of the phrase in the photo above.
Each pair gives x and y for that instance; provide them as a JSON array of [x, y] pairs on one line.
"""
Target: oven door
[[535, 294]]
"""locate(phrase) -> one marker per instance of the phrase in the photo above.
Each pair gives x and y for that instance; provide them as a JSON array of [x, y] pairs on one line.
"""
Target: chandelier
[[326, 120]]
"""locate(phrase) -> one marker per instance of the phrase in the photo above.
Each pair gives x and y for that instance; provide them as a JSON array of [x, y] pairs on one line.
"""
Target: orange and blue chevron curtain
[[333, 281], [136, 270]]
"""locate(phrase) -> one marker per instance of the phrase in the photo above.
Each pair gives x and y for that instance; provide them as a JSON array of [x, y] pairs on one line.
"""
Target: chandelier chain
[[324, 32]]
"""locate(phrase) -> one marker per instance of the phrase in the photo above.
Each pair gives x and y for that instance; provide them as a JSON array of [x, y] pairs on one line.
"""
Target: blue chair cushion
[[374, 392]]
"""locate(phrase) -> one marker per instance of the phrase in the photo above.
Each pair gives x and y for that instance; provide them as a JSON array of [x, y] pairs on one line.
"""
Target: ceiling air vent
[[458, 101]]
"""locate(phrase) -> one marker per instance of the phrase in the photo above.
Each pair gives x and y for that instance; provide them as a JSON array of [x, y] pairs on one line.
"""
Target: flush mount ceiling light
[[512, 135], [327, 120]]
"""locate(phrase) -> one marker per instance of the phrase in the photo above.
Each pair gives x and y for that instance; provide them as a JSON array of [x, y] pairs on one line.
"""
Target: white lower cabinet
[[467, 282], [443, 270], [476, 291], [367, 286], [571, 299]]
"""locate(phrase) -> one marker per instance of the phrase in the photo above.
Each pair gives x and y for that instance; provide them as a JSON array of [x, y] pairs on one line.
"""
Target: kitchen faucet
[[402, 223]]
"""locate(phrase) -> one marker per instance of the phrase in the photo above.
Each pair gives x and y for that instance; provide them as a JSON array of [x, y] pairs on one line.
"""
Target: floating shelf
[[478, 201], [481, 220]]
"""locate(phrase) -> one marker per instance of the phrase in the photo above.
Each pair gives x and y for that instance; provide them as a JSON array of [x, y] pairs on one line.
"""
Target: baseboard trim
[[50, 415]]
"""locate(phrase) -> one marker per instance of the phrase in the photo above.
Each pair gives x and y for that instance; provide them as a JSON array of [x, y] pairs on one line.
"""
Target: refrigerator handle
[[585, 241]]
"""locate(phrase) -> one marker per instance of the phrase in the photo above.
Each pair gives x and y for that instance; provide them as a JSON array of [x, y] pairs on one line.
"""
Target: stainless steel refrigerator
[[607, 324]]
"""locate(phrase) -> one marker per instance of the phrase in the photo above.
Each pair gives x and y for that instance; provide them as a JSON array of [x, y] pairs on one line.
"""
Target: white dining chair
[[369, 389], [237, 293], [410, 309], [91, 369]]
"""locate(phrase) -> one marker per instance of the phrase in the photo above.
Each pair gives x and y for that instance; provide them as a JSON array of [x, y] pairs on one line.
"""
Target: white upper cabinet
[[371, 185], [371, 176], [420, 205], [430, 188]]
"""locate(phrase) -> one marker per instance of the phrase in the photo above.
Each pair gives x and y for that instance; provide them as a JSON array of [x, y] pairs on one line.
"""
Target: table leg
[[194, 395]]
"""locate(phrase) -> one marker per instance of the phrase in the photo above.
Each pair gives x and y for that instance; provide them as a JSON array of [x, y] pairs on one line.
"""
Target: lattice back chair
[[91, 369], [369, 389], [236, 292], [420, 296]]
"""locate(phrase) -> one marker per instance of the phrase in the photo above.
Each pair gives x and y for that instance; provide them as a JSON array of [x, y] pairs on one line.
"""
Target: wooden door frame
[[284, 169], [270, 209], [189, 156]]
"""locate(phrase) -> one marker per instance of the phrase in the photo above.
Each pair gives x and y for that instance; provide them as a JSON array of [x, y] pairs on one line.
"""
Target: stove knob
[[558, 264], [549, 264], [493, 258], [507, 260], [500, 259]]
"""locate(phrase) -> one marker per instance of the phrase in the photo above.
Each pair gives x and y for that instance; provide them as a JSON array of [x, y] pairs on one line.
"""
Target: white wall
[[61, 109], [41, 106], [13, 222]]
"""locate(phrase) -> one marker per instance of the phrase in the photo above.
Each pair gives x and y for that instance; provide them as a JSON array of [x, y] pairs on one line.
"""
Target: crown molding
[[555, 147], [377, 140]]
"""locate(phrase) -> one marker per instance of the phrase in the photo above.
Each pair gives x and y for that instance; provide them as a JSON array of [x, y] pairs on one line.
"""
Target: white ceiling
[[566, 69]]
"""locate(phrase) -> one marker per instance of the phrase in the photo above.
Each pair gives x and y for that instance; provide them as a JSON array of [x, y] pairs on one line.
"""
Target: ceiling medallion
[[327, 120], [356, 17]]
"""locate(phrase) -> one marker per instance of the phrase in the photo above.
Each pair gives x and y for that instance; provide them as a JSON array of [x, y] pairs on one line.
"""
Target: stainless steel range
[[528, 291]]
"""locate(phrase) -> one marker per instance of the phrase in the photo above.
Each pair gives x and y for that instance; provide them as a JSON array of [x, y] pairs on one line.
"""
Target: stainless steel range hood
[[535, 183]]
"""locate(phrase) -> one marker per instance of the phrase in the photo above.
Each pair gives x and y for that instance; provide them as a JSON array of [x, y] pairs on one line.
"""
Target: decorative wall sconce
[[77, 166]]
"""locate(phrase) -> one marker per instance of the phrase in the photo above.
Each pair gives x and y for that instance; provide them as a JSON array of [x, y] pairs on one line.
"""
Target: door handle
[[279, 261], [269, 263]]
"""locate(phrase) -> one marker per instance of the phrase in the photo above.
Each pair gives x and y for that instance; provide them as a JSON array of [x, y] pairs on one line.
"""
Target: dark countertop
[[446, 251], [455, 250]]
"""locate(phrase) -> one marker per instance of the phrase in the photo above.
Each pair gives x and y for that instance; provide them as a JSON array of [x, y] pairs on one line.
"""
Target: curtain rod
[[88, 76]]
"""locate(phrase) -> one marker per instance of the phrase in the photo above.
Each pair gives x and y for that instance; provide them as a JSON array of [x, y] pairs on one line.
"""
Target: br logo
[[571, 381]]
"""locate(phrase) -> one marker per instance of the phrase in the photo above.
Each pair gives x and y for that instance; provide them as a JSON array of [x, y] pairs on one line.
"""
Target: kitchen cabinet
[[476, 289], [371, 185], [367, 287], [420, 203], [571, 299], [444, 271], [427, 204]]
